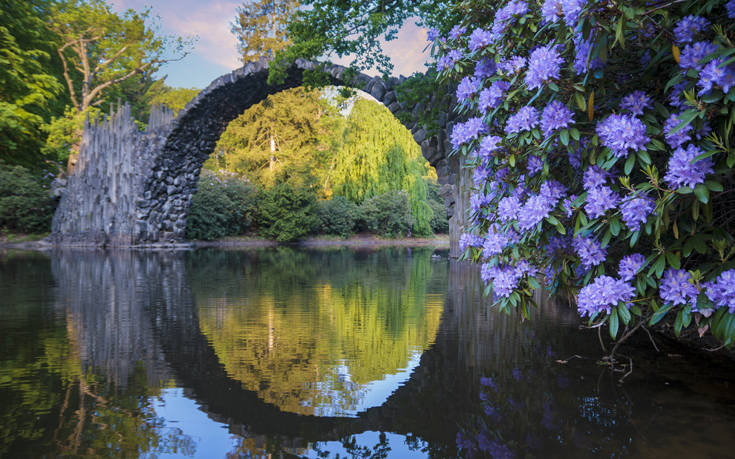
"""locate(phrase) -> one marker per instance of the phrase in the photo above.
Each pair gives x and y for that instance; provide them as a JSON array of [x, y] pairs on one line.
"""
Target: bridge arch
[[132, 188]]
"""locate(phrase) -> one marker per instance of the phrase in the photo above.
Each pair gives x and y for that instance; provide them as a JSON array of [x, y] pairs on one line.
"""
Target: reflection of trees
[[52, 402], [308, 330]]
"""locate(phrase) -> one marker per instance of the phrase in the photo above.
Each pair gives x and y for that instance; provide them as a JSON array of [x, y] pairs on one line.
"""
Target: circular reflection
[[334, 346]]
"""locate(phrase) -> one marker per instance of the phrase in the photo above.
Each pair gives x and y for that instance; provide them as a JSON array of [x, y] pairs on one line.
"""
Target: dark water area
[[351, 353]]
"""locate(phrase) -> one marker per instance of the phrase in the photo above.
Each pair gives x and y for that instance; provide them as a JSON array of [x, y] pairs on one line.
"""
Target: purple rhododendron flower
[[630, 265], [688, 27], [715, 73], [457, 32], [480, 176], [467, 131], [582, 49], [676, 287], [675, 99], [534, 211], [636, 210], [599, 200], [551, 10], [504, 279], [432, 35], [730, 7], [485, 68], [602, 294], [448, 60], [493, 96], [506, 15], [695, 52], [636, 102], [479, 39], [594, 176], [534, 165], [544, 64], [469, 240], [488, 145], [589, 251], [553, 191], [512, 65], [555, 116], [524, 120], [508, 208], [722, 291], [621, 133], [467, 88], [681, 171], [495, 242], [680, 137], [571, 10]]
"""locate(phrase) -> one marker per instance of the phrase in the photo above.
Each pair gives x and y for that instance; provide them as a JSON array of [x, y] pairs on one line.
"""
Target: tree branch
[[69, 83], [93, 93]]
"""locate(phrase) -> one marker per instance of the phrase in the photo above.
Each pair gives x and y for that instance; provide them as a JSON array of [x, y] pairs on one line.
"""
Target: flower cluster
[[602, 294], [621, 133], [548, 94], [683, 170]]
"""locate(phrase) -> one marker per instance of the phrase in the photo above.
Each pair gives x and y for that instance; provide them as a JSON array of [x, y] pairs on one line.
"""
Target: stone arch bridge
[[135, 188]]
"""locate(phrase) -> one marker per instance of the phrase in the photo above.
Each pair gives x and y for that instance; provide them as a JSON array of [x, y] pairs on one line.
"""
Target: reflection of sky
[[210, 438], [369, 395], [184, 417], [377, 392]]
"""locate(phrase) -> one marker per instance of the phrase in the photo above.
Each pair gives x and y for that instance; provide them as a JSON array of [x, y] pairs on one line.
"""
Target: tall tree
[[100, 48], [261, 27], [29, 88]]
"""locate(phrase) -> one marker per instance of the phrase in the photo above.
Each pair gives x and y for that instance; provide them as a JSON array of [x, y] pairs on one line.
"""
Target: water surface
[[372, 353]]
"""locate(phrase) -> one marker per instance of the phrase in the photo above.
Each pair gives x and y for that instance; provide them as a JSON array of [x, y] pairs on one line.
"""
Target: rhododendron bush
[[600, 134]]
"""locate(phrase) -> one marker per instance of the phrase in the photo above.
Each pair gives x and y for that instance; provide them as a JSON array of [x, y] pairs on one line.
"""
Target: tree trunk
[[272, 162]]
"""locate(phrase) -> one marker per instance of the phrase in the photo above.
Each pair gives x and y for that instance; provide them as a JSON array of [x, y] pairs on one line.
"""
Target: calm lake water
[[379, 353]]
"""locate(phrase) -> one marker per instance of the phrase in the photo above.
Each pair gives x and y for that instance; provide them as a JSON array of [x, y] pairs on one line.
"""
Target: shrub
[[601, 138], [439, 220], [220, 207], [387, 214], [26, 204], [287, 213], [337, 216]]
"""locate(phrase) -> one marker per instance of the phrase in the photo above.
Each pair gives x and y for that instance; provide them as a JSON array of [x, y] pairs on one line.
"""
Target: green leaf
[[713, 186], [613, 324], [685, 118], [564, 136], [678, 323], [702, 193], [673, 260], [624, 313], [629, 163], [658, 315]]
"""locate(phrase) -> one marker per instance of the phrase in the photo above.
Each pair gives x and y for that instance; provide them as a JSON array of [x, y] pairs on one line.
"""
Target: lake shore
[[37, 242]]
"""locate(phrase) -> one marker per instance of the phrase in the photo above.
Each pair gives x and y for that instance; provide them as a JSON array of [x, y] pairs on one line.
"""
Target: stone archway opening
[[134, 188]]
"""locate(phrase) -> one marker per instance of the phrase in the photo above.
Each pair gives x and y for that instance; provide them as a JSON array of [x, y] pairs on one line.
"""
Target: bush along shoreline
[[226, 205], [600, 134]]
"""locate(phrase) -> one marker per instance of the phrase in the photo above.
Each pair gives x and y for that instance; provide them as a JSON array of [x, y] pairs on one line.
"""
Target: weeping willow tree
[[378, 155]]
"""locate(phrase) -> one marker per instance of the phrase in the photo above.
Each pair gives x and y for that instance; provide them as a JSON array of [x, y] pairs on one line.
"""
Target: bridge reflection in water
[[284, 348]]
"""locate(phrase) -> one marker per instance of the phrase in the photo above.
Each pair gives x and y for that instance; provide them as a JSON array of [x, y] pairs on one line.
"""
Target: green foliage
[[387, 214], [100, 48], [26, 205], [378, 156], [222, 206], [29, 88], [338, 216], [261, 27], [287, 213], [174, 98], [284, 139], [356, 29]]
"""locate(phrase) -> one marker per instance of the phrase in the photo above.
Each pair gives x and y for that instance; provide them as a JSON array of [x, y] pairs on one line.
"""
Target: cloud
[[210, 21]]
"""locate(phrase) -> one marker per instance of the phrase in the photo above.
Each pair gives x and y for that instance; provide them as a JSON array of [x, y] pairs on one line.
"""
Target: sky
[[215, 52]]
